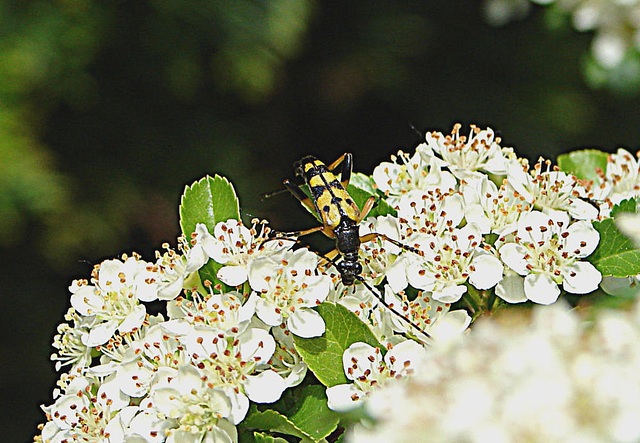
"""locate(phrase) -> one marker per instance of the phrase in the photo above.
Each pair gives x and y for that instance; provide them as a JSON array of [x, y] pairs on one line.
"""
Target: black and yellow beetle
[[340, 217]]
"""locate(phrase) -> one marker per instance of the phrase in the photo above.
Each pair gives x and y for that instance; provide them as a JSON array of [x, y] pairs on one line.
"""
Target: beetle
[[340, 217]]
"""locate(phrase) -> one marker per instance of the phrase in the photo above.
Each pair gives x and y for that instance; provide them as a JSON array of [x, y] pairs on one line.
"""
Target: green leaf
[[360, 197], [306, 407], [324, 354], [259, 437], [583, 163], [363, 181], [272, 421], [210, 201], [616, 255], [624, 206]]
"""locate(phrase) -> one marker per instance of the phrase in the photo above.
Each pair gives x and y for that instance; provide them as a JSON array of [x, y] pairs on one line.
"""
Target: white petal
[[511, 288], [267, 313], [365, 355], [177, 327], [534, 226], [540, 288], [233, 275], [85, 299], [239, 406], [256, 344], [404, 355], [342, 398], [582, 210], [171, 290], [418, 278], [316, 291], [581, 278], [450, 293], [582, 231], [101, 334], [487, 271], [450, 326], [133, 320], [397, 273], [306, 323], [302, 259], [258, 271], [265, 387], [512, 254]]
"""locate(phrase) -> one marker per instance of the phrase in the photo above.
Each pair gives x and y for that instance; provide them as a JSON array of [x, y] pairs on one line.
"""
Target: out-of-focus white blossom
[[615, 23], [557, 378]]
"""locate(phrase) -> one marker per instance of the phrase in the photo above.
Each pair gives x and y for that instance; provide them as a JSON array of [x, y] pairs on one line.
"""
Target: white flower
[[235, 246], [237, 365], [404, 174], [367, 370], [378, 256], [286, 361], [158, 348], [464, 156], [113, 301], [287, 285], [70, 342], [430, 211], [428, 314], [225, 312], [550, 190], [623, 173], [555, 378], [173, 271], [449, 261], [547, 252], [184, 396], [89, 416], [493, 210]]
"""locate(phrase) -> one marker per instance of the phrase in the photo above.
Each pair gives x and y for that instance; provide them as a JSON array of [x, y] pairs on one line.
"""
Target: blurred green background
[[108, 109]]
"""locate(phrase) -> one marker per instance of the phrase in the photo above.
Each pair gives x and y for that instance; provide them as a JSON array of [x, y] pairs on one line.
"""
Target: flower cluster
[[192, 376], [449, 208], [555, 378], [463, 226]]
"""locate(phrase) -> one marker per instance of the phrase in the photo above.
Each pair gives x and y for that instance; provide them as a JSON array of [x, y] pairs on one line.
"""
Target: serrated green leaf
[[583, 163], [306, 407], [272, 421], [616, 255], [324, 354], [625, 206], [210, 200]]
